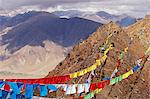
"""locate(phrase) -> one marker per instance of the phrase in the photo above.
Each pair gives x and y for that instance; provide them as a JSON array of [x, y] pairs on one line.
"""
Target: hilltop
[[84, 55]]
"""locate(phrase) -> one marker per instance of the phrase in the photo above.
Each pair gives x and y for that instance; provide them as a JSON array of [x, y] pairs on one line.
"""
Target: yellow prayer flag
[[98, 62], [94, 66], [147, 51], [108, 37], [126, 75], [97, 91], [104, 58], [106, 41], [73, 75], [89, 69], [85, 71], [109, 48], [80, 73]]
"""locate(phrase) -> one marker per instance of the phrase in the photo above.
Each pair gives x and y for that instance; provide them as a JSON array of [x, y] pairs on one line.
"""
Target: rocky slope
[[141, 30], [84, 55]]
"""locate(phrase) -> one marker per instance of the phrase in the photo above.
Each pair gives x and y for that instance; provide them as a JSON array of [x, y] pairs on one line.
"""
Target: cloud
[[131, 7], [42, 3]]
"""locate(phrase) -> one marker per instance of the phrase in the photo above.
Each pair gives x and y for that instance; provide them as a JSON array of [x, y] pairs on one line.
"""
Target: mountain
[[123, 20], [127, 21], [95, 18], [85, 54], [65, 32], [37, 37], [107, 16], [22, 17], [101, 17], [3, 20], [141, 30], [6, 21]]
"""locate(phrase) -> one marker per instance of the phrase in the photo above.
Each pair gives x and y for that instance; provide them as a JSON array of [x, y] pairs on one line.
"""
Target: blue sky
[[131, 7]]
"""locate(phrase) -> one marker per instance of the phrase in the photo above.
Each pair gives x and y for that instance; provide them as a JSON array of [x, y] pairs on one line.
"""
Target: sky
[[130, 7]]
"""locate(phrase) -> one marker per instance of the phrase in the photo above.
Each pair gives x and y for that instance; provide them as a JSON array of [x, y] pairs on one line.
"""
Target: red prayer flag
[[93, 87], [6, 87], [101, 85]]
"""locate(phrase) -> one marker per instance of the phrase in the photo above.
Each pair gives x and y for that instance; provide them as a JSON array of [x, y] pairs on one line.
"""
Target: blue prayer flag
[[43, 90], [29, 91], [52, 87]]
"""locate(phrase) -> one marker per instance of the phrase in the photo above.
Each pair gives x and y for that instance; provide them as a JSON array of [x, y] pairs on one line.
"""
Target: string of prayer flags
[[69, 89], [49, 80], [14, 86]]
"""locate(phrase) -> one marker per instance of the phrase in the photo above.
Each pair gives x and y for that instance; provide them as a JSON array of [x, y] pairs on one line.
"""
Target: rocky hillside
[[84, 55], [141, 30]]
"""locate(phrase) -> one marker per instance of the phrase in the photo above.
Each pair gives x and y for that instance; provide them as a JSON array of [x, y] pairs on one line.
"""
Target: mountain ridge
[[84, 55]]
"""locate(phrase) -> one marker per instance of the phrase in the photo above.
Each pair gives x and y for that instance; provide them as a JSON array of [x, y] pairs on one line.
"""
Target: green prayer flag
[[89, 96], [112, 81], [120, 78], [115, 80]]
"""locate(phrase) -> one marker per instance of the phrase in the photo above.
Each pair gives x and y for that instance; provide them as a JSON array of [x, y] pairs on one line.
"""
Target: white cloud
[[131, 7]]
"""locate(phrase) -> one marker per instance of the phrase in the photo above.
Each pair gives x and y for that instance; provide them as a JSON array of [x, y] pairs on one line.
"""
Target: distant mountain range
[[102, 17], [46, 26], [37, 37]]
